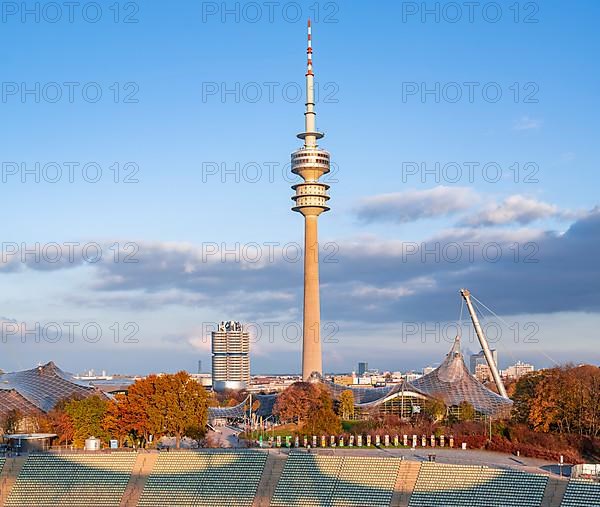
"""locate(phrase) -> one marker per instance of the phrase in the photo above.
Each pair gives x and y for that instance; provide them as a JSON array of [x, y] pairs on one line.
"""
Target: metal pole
[[484, 344], [402, 402]]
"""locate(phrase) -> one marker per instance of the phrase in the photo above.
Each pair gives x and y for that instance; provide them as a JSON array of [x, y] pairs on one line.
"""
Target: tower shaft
[[311, 339]]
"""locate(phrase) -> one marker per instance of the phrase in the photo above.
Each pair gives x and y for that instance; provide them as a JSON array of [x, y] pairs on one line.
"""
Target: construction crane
[[484, 344]]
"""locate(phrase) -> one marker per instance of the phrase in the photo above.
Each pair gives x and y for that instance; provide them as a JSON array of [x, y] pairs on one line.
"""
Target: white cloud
[[411, 205], [527, 123], [515, 209]]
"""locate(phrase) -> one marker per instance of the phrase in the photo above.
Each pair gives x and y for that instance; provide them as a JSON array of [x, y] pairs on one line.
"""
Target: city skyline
[[179, 219]]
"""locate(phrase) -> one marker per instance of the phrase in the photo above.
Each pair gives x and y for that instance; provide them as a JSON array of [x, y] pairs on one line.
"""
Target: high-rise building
[[362, 368], [479, 358], [310, 163], [230, 357]]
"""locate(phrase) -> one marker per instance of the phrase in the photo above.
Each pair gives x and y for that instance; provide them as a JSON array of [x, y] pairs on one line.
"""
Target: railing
[[586, 471]]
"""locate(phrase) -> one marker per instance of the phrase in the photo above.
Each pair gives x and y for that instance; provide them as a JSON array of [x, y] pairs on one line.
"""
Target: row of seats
[[582, 493], [476, 486], [207, 478], [220, 478], [48, 480], [327, 481]]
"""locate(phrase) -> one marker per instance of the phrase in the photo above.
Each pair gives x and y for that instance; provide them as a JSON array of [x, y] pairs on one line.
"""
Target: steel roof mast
[[484, 344]]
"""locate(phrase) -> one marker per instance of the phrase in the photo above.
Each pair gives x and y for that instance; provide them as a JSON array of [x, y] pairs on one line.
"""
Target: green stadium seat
[[72, 480], [209, 478], [336, 481], [581, 493], [476, 486]]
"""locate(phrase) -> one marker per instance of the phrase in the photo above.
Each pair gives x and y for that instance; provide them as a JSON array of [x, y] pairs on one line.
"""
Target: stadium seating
[[336, 481], [307, 479], [582, 493], [476, 486], [49, 480], [366, 481], [224, 478], [206, 478]]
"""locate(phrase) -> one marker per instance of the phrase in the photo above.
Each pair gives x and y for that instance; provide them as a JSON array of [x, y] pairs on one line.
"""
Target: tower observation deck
[[310, 163]]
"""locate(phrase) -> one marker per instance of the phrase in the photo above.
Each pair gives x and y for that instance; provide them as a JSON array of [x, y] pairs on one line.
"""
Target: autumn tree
[[523, 396], [297, 403], [544, 409], [135, 409], [180, 406], [11, 421], [347, 404], [310, 406], [160, 405], [61, 423], [324, 420], [562, 399], [231, 397], [114, 421]]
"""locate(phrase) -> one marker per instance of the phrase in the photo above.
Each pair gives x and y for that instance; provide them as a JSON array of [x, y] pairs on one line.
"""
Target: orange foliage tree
[[297, 403], [563, 399], [310, 406], [114, 419], [160, 405]]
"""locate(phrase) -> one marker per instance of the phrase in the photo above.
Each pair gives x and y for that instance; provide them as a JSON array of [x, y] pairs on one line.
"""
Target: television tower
[[310, 163]]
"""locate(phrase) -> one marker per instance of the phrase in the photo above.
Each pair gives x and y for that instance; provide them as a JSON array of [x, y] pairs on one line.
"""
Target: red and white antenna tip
[[309, 49]]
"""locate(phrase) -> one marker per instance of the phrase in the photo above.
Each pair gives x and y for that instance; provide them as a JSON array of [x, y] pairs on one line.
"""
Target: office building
[[479, 358], [230, 357]]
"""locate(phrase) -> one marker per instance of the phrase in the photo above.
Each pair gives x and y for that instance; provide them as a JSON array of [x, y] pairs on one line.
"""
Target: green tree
[[87, 416], [347, 404], [467, 411], [435, 409]]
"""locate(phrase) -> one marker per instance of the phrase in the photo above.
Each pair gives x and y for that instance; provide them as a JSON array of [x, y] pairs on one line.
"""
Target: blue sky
[[172, 125]]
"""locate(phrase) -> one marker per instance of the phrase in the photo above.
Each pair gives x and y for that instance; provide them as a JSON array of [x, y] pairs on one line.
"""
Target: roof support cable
[[505, 323]]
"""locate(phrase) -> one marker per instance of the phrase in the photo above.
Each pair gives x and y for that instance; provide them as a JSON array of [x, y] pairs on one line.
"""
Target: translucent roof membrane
[[265, 408], [452, 383], [40, 388]]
